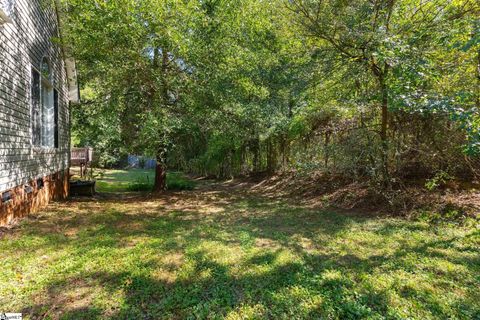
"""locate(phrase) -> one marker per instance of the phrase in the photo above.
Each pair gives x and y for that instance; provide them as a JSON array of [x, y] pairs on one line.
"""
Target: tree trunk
[[285, 151], [160, 172], [160, 178], [478, 78], [256, 155], [327, 148], [271, 163], [384, 133], [161, 167]]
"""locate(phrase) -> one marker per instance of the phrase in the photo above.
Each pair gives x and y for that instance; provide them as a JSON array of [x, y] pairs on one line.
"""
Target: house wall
[[23, 43], [24, 201]]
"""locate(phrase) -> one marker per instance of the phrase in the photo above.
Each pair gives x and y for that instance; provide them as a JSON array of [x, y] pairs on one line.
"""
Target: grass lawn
[[222, 252], [119, 180], [113, 181]]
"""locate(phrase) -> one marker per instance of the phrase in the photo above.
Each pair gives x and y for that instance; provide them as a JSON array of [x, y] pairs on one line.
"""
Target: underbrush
[[435, 202]]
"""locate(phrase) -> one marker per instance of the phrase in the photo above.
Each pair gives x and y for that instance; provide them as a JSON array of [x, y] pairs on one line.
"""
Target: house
[[37, 84]]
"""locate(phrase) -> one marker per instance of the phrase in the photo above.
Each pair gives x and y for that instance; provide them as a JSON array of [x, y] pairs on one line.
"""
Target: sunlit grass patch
[[139, 180]]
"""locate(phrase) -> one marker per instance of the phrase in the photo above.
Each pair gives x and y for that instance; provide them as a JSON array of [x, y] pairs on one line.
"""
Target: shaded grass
[[221, 253], [135, 180]]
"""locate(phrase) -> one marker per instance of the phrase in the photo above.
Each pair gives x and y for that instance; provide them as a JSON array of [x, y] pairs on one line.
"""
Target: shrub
[[440, 179], [178, 182], [140, 185]]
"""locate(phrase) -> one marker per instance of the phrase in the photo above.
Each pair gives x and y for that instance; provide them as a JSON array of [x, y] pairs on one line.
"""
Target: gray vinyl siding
[[23, 43]]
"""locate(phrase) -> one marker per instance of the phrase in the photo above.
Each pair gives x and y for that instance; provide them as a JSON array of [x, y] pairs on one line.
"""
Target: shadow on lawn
[[215, 295], [211, 289]]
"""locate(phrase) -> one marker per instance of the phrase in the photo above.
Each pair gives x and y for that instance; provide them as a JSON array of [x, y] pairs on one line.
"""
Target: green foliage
[[449, 215], [140, 185], [440, 179], [177, 181]]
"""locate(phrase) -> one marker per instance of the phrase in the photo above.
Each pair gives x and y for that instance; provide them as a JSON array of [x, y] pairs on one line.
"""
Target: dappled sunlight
[[228, 251]]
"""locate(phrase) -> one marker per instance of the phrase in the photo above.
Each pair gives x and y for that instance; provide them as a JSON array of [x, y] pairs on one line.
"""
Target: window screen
[[36, 109], [48, 115], [55, 106]]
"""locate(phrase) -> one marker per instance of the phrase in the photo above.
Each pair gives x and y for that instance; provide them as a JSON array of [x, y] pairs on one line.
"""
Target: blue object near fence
[[141, 162], [150, 164]]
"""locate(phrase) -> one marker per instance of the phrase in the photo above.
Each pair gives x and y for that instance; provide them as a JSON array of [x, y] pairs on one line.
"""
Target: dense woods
[[384, 91]]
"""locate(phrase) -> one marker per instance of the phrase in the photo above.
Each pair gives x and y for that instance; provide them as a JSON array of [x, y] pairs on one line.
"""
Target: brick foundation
[[31, 197]]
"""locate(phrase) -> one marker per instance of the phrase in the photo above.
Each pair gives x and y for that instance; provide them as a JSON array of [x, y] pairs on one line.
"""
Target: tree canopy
[[384, 89]]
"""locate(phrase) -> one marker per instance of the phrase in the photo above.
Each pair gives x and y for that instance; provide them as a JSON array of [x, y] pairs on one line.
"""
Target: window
[[44, 108], [45, 69], [55, 113], [47, 134], [6, 11], [7, 197], [36, 109], [40, 184]]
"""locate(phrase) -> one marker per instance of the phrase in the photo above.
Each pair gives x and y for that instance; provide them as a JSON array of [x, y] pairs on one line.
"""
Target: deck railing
[[82, 157]]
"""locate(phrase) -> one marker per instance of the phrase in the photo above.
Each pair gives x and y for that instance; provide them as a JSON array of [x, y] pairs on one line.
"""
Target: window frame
[[55, 103]]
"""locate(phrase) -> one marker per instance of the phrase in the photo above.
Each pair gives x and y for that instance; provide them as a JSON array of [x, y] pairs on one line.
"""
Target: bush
[[440, 179], [178, 182]]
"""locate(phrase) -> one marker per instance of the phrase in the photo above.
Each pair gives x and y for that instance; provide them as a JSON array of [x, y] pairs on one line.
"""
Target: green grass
[[219, 253], [134, 180], [177, 181]]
